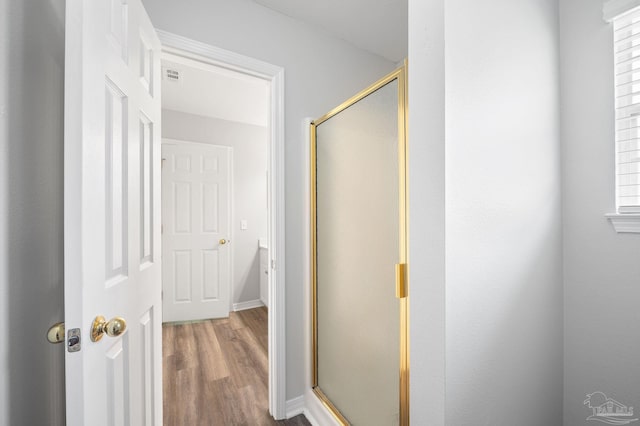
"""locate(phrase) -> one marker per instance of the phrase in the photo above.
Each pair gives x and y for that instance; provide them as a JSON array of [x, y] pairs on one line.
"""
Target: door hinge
[[273, 264]]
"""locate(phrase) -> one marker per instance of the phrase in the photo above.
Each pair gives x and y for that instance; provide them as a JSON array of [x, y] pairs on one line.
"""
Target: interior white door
[[196, 252], [112, 220]]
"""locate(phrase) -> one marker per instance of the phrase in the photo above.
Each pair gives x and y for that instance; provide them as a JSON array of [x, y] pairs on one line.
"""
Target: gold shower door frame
[[402, 289]]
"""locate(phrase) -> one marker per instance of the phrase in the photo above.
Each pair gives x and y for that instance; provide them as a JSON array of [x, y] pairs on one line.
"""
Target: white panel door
[[112, 213], [196, 252]]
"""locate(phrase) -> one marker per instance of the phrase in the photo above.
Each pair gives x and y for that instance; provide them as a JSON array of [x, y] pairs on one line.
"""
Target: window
[[626, 41], [625, 17]]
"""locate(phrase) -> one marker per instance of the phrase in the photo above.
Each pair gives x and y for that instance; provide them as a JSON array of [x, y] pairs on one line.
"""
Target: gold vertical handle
[[401, 280]]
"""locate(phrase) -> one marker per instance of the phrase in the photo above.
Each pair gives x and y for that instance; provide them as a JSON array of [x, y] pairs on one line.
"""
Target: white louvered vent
[[627, 79], [172, 74]]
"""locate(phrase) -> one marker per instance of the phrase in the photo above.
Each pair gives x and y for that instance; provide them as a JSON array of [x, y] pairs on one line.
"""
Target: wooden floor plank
[[229, 403], [168, 339], [256, 358], [186, 412], [215, 372], [255, 320], [184, 347], [241, 368], [215, 366]]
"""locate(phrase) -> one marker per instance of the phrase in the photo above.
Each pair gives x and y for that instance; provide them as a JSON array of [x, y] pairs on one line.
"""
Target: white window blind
[[626, 38]]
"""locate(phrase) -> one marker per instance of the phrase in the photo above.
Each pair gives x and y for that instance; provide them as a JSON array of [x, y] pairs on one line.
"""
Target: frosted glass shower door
[[360, 228]]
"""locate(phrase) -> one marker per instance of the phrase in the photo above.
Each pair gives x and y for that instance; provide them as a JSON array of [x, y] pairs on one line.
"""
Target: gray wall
[[320, 73], [31, 202], [250, 147], [601, 268]]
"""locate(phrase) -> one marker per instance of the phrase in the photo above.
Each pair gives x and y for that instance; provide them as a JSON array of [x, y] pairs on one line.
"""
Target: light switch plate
[[243, 225]]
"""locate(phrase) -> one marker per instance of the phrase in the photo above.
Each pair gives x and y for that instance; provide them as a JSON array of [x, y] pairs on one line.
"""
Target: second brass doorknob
[[113, 328], [223, 241]]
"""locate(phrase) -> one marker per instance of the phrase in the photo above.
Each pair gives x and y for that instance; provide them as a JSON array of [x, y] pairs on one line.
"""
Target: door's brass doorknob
[[223, 241], [114, 327], [56, 333]]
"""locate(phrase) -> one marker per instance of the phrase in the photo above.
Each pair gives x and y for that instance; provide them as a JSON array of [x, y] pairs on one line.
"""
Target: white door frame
[[182, 46]]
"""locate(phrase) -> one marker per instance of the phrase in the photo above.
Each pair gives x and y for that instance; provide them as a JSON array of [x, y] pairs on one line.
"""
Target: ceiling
[[378, 26], [216, 92], [381, 30]]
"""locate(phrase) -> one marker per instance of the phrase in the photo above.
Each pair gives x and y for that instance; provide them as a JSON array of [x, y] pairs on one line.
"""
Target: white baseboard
[[316, 412], [311, 419], [295, 406], [312, 408], [241, 306]]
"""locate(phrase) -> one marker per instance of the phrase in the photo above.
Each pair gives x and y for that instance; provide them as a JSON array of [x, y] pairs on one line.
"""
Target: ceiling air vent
[[172, 74]]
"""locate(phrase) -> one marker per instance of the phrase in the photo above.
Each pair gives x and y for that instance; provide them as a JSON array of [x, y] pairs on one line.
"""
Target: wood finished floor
[[215, 372]]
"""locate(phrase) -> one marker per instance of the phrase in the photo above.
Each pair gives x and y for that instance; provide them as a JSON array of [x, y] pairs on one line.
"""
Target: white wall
[[320, 73], [31, 234], [427, 210], [503, 274], [503, 213], [601, 268], [250, 147]]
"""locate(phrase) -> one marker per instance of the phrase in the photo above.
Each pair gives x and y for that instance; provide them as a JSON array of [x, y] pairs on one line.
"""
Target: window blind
[[626, 38]]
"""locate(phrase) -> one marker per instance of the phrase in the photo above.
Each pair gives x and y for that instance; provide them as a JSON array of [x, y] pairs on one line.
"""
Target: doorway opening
[[223, 121]]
